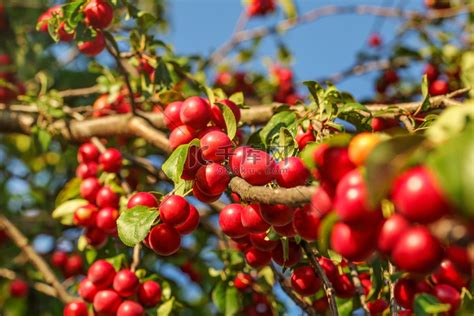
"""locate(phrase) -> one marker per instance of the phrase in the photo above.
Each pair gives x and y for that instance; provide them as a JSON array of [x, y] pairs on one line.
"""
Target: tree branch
[[358, 287], [38, 286]]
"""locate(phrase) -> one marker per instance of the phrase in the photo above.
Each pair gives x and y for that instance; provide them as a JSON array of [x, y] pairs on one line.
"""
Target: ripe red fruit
[[257, 167], [106, 220], [76, 309], [217, 116], [306, 222], [375, 40], [64, 34], [305, 281], [87, 290], [321, 202], [303, 137], [243, 281], [195, 112], [404, 292], [74, 266], [194, 160], [212, 179], [107, 198], [59, 259], [216, 146], [379, 124], [87, 170], [130, 308], [417, 196], [237, 157], [287, 231], [149, 293], [391, 231], [329, 268], [111, 160], [87, 153], [174, 210], [291, 172], [448, 295], [252, 219], [439, 87], [294, 254], [99, 14], [321, 304], [260, 242], [106, 302], [417, 250], [377, 306], [142, 198], [182, 134], [18, 288], [431, 72], [257, 258], [89, 188], [352, 243], [260, 7], [230, 221], [344, 287], [85, 215], [276, 215], [171, 115], [125, 283], [164, 239], [390, 76], [333, 163], [448, 273], [191, 222], [101, 273], [460, 257], [203, 196], [95, 237], [93, 47]]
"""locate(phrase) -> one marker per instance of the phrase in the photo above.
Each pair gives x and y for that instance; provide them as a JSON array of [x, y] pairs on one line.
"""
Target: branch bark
[[358, 287]]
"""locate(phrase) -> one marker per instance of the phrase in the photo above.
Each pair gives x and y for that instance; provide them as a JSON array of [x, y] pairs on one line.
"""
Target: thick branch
[[22, 242], [294, 196]]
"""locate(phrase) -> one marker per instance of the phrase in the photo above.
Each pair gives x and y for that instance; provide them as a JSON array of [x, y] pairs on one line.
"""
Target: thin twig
[[38, 286], [388, 280], [359, 288], [136, 257]]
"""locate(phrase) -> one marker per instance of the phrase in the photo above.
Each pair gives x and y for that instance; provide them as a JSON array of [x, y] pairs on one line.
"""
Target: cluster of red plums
[[114, 293], [11, 87], [99, 216], [69, 264], [286, 91], [260, 7], [103, 106], [233, 82], [177, 218], [98, 15]]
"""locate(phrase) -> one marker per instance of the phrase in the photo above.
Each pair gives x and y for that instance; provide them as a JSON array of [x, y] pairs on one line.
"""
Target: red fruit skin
[[174, 210], [258, 167], [417, 196], [305, 281], [63, 34], [259, 242], [344, 287], [306, 223], [237, 157], [76, 309], [107, 198], [195, 112], [304, 137], [379, 124], [111, 160], [243, 281], [448, 295], [212, 179], [230, 221], [260, 7], [142, 198], [321, 304], [194, 161], [149, 293], [375, 40], [164, 240], [334, 164], [330, 269], [99, 14], [257, 258], [439, 87], [130, 308], [125, 283], [18, 288], [102, 274], [217, 116], [74, 266], [107, 302], [276, 215], [377, 307], [352, 243], [87, 290], [191, 222], [252, 220], [106, 220], [216, 146], [203, 196], [93, 47], [391, 231], [431, 72], [59, 259], [85, 216], [294, 255], [171, 115], [448, 273], [182, 134], [287, 231], [87, 170], [88, 153], [417, 251], [89, 188], [460, 257], [207, 130], [291, 172], [390, 76], [95, 237], [321, 202]]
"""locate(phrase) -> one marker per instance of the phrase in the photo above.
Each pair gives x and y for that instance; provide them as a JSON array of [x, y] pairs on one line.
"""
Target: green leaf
[[65, 212], [70, 190], [182, 187], [134, 224], [237, 98], [386, 161], [426, 304], [229, 119], [145, 20], [376, 278], [117, 261], [174, 165], [267, 274], [91, 255], [453, 166], [287, 145], [325, 232], [42, 138], [218, 296], [162, 74], [166, 308], [279, 120], [232, 301], [210, 95], [426, 96], [452, 121], [289, 8]]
